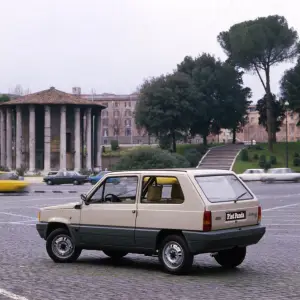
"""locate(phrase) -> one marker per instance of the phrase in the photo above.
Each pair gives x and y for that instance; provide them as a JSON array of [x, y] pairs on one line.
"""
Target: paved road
[[270, 271]]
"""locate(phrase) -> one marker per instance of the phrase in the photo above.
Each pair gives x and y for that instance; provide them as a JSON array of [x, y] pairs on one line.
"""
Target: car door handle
[[133, 211]]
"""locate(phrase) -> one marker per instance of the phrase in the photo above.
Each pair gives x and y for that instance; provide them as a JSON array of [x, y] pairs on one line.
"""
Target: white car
[[280, 174], [252, 174]]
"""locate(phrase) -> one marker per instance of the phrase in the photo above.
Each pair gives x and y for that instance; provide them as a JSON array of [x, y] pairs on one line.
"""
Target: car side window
[[115, 190], [162, 190]]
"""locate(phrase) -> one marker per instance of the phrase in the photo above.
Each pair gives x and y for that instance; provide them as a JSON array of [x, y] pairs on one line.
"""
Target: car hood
[[62, 206]]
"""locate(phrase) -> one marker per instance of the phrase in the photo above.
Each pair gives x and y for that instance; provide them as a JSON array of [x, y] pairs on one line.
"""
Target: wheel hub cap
[[173, 255], [62, 246]]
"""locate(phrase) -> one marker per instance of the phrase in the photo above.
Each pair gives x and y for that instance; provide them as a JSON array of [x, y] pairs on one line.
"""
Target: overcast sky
[[112, 45]]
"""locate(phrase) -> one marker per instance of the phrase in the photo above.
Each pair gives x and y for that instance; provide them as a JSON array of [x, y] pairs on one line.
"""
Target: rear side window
[[222, 188]]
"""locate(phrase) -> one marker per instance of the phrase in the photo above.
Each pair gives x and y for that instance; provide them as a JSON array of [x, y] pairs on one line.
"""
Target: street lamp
[[286, 105]]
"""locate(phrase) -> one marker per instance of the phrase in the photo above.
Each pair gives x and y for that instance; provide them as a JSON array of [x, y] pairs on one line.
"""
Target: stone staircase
[[220, 157]]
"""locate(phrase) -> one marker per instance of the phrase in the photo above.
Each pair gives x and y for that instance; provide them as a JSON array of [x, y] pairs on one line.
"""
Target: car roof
[[189, 171]]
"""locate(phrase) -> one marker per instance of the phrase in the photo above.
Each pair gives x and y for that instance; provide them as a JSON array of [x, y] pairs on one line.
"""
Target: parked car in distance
[[280, 174], [252, 174], [66, 177], [93, 179], [51, 173], [174, 214], [11, 182]]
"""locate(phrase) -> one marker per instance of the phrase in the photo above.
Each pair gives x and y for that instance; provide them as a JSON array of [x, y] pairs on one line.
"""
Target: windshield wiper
[[240, 196]]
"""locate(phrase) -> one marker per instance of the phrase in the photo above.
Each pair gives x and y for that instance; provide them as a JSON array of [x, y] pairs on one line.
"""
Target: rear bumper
[[214, 241], [42, 229]]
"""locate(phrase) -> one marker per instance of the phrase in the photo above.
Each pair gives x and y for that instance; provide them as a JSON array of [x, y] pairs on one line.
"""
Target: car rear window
[[222, 188]]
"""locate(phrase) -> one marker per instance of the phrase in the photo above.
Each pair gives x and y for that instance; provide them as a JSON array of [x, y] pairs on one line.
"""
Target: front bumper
[[214, 241], [42, 229]]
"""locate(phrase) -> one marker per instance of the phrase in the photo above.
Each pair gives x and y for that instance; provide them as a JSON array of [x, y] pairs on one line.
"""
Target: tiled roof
[[51, 96]]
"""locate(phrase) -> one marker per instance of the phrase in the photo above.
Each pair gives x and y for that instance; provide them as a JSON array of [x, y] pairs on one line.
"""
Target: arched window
[[116, 114]]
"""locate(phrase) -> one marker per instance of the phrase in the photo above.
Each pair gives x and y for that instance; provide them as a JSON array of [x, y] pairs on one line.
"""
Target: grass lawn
[[279, 151]]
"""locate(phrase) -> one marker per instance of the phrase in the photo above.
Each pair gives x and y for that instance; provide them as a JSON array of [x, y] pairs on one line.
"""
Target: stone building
[[50, 130]]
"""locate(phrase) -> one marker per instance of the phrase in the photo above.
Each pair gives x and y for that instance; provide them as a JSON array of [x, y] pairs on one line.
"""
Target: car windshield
[[222, 188], [102, 173]]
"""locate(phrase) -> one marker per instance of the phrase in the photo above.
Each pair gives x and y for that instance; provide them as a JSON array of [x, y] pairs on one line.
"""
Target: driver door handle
[[133, 211]]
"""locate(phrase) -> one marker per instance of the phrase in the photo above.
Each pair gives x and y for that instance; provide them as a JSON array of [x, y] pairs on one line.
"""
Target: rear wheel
[[115, 254], [174, 255], [231, 258], [76, 182], [61, 247], [49, 182]]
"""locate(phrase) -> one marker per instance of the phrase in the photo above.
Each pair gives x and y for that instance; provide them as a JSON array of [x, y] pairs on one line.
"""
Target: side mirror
[[83, 197]]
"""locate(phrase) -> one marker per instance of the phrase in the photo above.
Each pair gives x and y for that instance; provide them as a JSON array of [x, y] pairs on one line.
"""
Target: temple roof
[[52, 96]]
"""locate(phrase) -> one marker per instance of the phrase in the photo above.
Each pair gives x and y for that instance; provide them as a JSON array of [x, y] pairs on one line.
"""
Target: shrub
[[4, 169], [183, 148], [165, 142], [273, 160], [255, 156], [114, 145], [258, 147], [21, 171], [296, 161], [85, 172], [150, 158], [244, 155], [267, 165], [296, 154], [262, 161], [193, 156]]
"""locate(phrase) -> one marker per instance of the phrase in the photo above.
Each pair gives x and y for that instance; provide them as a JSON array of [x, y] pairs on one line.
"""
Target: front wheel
[[115, 254], [76, 182], [231, 258], [49, 182], [61, 247], [174, 255]]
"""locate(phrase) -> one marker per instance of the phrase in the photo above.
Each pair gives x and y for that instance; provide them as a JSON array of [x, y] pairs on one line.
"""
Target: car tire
[[49, 182], [174, 255], [76, 182], [116, 255], [231, 258], [61, 247]]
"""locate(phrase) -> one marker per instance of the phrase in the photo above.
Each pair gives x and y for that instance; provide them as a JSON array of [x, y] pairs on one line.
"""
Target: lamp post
[[286, 105]]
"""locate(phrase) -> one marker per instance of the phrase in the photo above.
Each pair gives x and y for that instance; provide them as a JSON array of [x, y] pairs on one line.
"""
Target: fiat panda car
[[173, 214]]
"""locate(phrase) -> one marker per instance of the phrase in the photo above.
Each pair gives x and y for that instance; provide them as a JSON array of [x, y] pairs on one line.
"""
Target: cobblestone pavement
[[270, 271]]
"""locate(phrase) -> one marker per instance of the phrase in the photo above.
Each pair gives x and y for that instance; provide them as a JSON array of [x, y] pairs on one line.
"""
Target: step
[[217, 158], [215, 165], [214, 168]]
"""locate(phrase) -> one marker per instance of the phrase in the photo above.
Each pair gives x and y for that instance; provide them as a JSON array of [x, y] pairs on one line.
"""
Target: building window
[[128, 131], [104, 113], [127, 122], [105, 122], [116, 131], [69, 142], [128, 113], [116, 104], [116, 114], [105, 142], [105, 132]]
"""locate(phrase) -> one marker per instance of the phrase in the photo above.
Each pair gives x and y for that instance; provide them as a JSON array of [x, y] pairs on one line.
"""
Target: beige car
[[173, 214]]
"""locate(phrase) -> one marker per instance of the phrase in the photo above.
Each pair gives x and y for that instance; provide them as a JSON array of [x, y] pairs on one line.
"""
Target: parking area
[[270, 271]]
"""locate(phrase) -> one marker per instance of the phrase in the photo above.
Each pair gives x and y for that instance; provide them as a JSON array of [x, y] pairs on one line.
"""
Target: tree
[[278, 114], [164, 107], [257, 45], [4, 98], [290, 87], [218, 97]]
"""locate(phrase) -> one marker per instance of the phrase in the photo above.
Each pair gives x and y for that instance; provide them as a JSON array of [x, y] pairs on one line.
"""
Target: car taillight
[[207, 220], [259, 214]]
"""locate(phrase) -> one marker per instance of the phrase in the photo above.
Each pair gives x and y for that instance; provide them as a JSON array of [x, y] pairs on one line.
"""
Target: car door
[[105, 222]]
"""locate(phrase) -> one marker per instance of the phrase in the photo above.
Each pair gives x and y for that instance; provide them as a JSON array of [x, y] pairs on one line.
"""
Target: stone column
[[18, 137], [99, 141], [89, 139], [3, 138], [63, 137], [8, 138], [31, 138], [47, 139], [77, 134]]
